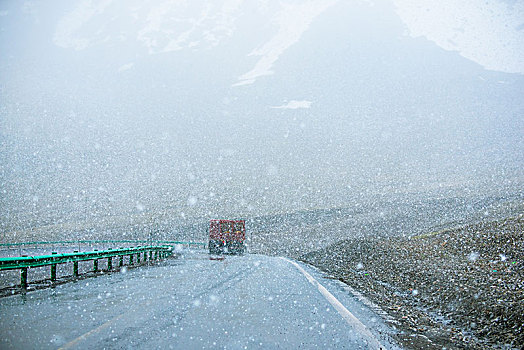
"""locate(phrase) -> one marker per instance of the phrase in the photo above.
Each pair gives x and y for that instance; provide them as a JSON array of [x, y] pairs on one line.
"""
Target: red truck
[[227, 236]]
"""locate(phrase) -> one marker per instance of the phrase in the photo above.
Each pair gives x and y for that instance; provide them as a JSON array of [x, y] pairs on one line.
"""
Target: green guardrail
[[149, 253], [189, 244], [20, 244]]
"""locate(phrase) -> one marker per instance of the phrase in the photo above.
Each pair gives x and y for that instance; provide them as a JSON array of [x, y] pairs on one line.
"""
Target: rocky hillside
[[457, 288]]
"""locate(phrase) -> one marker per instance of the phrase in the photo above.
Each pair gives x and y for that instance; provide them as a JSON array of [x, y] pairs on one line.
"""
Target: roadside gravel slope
[[457, 288]]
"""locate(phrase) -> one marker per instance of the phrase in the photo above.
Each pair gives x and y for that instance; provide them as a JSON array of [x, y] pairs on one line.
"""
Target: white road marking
[[346, 315]]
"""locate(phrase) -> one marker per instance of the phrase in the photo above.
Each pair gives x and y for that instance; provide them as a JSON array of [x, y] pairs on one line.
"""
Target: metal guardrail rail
[[20, 244], [150, 253]]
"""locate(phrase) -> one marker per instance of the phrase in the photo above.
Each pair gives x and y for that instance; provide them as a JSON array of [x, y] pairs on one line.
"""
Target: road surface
[[194, 302]]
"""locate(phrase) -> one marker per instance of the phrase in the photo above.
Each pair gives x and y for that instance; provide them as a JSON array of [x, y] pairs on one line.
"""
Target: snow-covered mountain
[[239, 108]]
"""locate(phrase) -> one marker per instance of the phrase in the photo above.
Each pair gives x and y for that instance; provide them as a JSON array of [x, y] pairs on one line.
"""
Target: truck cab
[[227, 236]]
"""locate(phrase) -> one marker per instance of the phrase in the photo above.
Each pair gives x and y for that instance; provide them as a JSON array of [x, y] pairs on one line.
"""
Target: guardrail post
[[23, 277], [95, 264], [131, 259], [53, 269], [75, 267], [109, 262], [138, 258], [150, 255], [121, 260]]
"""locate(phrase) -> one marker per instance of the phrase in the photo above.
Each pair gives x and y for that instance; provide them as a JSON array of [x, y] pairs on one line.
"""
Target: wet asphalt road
[[196, 302]]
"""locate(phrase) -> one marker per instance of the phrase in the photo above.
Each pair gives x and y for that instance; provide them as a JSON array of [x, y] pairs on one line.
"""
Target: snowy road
[[194, 302]]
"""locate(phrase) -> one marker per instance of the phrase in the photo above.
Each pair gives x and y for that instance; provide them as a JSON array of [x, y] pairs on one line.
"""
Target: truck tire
[[212, 247]]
